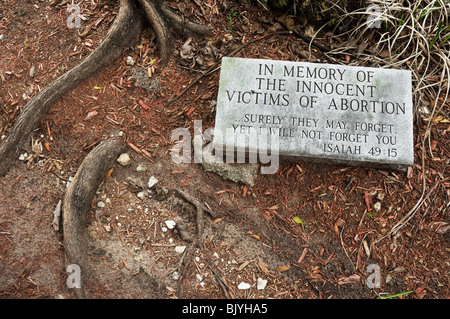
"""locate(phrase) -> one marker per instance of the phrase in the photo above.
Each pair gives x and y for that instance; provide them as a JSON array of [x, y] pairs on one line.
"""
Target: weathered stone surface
[[238, 173], [330, 113]]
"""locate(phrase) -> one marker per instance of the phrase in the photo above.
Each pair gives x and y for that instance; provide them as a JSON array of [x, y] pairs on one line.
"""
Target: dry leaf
[[256, 236], [244, 265], [282, 268], [353, 279], [109, 172], [262, 266], [217, 220]]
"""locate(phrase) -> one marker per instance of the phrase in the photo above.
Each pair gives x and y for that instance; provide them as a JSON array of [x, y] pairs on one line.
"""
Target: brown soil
[[253, 234]]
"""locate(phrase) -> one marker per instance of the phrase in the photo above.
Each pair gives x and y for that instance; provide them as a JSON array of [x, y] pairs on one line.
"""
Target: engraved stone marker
[[324, 112]]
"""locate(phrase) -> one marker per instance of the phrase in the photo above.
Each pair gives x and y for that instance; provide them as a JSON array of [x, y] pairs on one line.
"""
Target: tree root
[[124, 32], [163, 20], [77, 202]]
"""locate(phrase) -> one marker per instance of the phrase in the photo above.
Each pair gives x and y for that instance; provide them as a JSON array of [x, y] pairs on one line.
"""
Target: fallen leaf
[[90, 115], [282, 268], [97, 87], [298, 220], [433, 145], [353, 279], [217, 220], [245, 264], [256, 236], [109, 173]]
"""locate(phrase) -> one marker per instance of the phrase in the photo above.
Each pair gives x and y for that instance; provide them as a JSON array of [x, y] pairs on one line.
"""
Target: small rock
[[141, 168], [90, 115], [142, 195], [377, 206], [164, 229], [176, 275], [138, 257], [170, 224], [152, 181], [100, 204], [124, 159], [261, 284], [244, 286], [130, 60], [180, 249], [23, 156], [32, 71], [199, 277]]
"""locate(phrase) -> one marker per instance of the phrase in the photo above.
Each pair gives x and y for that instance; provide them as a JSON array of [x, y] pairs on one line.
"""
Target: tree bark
[[77, 202]]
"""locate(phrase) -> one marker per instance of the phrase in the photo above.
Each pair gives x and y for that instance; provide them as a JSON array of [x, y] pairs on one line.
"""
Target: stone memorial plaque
[[325, 112]]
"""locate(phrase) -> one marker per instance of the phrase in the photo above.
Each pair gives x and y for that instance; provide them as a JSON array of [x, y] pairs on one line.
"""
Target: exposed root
[[124, 32], [155, 18], [163, 21], [77, 202], [200, 209]]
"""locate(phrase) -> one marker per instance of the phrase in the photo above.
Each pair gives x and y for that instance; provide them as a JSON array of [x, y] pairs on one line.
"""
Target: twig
[[343, 247], [223, 285], [200, 208]]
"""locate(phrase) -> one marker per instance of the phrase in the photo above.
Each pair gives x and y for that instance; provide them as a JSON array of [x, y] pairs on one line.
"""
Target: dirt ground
[[345, 212]]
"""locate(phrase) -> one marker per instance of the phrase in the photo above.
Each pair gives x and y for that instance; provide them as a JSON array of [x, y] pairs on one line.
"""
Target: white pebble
[[170, 224], [100, 204], [152, 181], [23, 156], [377, 206], [180, 249], [141, 195], [164, 229], [261, 283], [130, 60], [243, 286], [141, 168], [124, 159]]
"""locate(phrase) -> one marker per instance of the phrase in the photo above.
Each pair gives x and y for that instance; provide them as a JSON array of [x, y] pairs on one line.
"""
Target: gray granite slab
[[323, 112]]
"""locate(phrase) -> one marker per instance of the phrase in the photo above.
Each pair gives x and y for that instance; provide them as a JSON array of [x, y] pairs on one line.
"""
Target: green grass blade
[[397, 295]]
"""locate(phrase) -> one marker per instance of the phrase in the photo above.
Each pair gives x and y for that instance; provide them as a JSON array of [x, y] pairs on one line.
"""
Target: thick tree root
[[77, 202], [163, 21], [125, 32]]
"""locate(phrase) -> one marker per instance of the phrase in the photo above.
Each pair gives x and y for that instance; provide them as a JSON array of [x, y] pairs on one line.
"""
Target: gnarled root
[[163, 20], [77, 202], [124, 32]]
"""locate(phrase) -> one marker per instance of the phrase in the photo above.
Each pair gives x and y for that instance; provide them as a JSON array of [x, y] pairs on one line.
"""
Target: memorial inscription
[[339, 114]]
